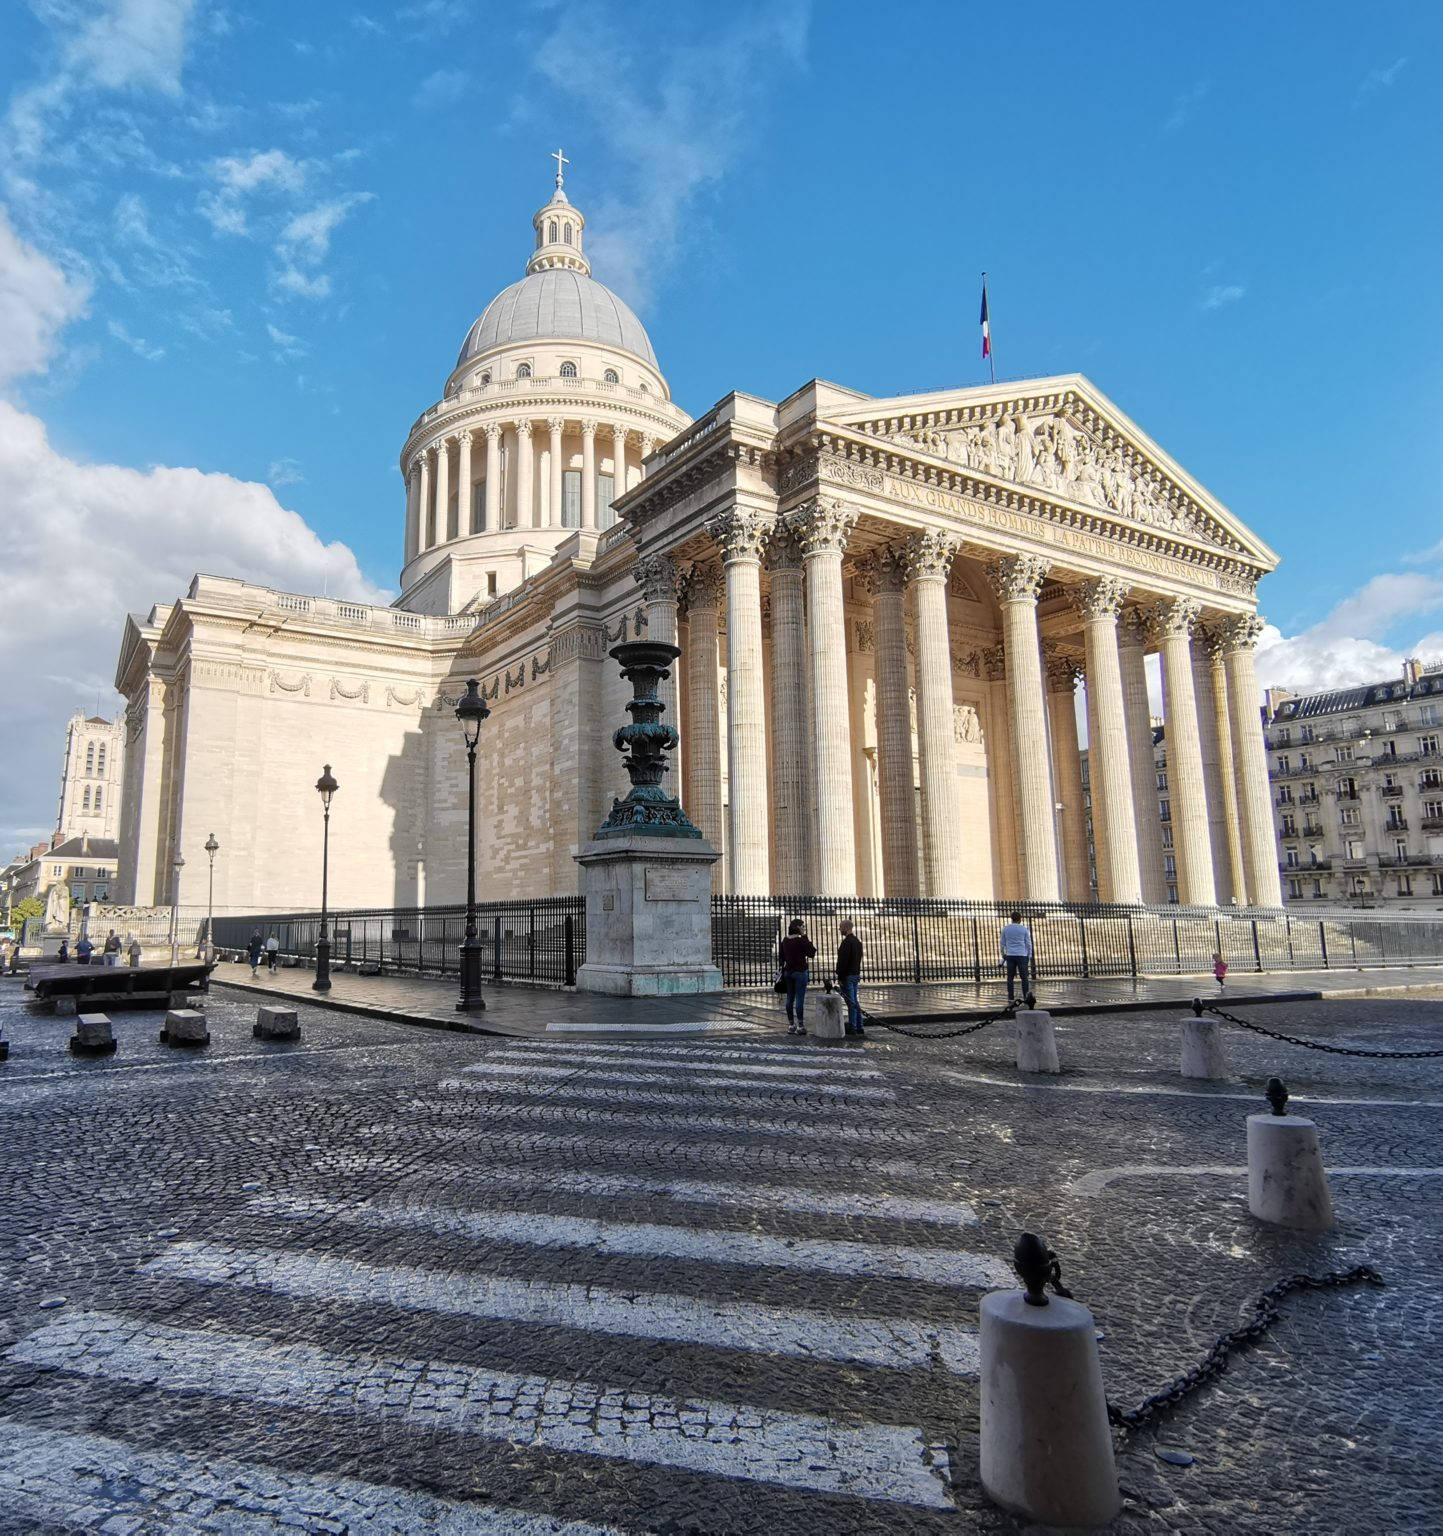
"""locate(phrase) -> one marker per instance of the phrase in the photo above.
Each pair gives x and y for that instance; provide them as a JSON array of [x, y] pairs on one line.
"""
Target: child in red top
[[1220, 968]]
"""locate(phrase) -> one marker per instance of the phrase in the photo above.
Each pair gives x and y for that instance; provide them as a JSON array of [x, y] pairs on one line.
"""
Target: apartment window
[[1433, 809], [1304, 762], [1295, 889], [1162, 781], [100, 893], [1285, 795], [1167, 837], [1431, 779], [1354, 848], [1172, 895], [1164, 810], [1313, 854], [1427, 714], [1400, 847], [1348, 788], [57, 869], [1428, 746], [1285, 763], [1351, 817], [1438, 882], [1290, 828], [1405, 885], [1290, 857], [1388, 749], [1285, 736], [1317, 887], [77, 891], [1169, 865], [1344, 753]]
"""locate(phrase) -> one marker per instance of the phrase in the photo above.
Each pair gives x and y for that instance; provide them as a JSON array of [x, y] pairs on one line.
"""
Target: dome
[[557, 305]]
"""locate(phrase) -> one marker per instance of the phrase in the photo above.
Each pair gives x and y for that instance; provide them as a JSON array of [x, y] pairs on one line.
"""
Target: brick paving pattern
[[405, 1281]]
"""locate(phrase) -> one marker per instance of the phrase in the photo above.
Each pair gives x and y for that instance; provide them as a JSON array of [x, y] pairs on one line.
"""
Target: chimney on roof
[[1412, 669]]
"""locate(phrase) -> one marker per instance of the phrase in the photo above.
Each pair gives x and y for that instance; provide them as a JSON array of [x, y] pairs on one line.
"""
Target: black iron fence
[[540, 941], [544, 941]]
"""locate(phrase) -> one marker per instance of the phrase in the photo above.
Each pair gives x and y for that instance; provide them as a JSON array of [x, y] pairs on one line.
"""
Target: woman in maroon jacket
[[797, 950]]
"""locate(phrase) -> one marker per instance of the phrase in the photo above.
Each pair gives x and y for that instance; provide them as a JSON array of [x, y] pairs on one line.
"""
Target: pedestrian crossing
[[559, 1274]]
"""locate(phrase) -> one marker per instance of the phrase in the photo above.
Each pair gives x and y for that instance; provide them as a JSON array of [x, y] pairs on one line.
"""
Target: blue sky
[[240, 245]]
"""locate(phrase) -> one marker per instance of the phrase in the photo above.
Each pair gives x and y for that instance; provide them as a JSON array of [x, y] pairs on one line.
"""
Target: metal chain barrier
[[918, 1031], [1215, 1362], [1314, 1045]]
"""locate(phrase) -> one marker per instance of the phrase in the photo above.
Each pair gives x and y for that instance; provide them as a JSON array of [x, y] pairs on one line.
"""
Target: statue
[[57, 909]]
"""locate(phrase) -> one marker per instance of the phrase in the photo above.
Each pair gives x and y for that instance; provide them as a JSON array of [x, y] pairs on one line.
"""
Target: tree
[[32, 906]]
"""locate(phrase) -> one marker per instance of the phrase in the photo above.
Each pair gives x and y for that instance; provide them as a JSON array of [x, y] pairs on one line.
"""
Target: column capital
[[648, 442], [928, 555], [466, 437], [1240, 632], [588, 429], [523, 430], [784, 549], [656, 575], [492, 430], [556, 425], [702, 586], [884, 570], [618, 434], [1175, 616], [1018, 578], [822, 526], [740, 533], [1101, 598], [1064, 669], [1133, 627]]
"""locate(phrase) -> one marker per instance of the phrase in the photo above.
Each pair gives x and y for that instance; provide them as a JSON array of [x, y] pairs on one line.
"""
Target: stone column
[[1114, 806], [618, 465], [427, 526], [648, 443], [588, 474], [1002, 781], [1063, 672], [443, 489], [493, 477], [1255, 806], [929, 559], [791, 803], [885, 576], [525, 464], [1018, 581], [702, 592], [656, 575], [463, 484], [555, 426], [1132, 652], [822, 528], [413, 511], [1224, 835], [742, 535], [1175, 618]]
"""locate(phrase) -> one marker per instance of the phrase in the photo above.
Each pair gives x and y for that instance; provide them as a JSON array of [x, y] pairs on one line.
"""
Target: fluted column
[[413, 518], [427, 512], [525, 465], [741, 535], [443, 489], [1063, 672], [493, 477], [1001, 780], [702, 592], [618, 465], [656, 575], [1114, 807], [1224, 835], [1142, 761], [1174, 619], [1255, 808], [463, 483], [884, 575], [555, 426], [1018, 581], [791, 805], [588, 474], [929, 559]]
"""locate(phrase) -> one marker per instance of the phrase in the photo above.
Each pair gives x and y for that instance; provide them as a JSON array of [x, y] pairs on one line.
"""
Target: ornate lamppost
[[211, 845], [177, 865], [471, 711], [326, 786]]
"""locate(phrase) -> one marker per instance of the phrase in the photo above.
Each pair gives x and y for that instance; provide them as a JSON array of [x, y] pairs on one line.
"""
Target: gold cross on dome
[[561, 163]]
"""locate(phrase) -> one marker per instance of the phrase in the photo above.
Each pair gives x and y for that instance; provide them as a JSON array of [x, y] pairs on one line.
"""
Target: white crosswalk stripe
[[501, 1070], [68, 1479], [813, 1063], [591, 1308], [939, 1266], [798, 1450], [591, 1090]]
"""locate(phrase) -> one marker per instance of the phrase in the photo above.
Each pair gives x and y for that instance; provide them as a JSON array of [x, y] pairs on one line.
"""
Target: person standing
[[849, 975], [273, 948], [83, 949], [134, 952], [1220, 969], [110, 951], [1017, 953], [253, 949], [797, 952], [62, 955]]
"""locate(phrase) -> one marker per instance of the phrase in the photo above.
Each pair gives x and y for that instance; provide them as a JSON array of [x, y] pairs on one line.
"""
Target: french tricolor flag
[[986, 327]]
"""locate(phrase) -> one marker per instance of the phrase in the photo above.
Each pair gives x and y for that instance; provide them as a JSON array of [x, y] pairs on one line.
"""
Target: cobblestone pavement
[[391, 1280]]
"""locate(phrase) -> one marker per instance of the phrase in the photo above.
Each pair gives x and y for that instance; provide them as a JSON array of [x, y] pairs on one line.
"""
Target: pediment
[[1061, 440]]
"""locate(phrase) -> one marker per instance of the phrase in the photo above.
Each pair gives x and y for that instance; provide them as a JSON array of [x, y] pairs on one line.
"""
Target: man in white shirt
[[1017, 953]]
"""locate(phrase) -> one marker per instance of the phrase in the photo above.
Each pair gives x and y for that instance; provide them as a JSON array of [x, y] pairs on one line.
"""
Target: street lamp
[[471, 711], [326, 786], [210, 847], [177, 865]]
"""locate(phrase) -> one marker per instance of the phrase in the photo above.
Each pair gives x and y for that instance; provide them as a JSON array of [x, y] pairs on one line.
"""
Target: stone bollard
[[184, 1026], [1046, 1445], [829, 1022], [1287, 1184], [92, 1036], [277, 1024], [1036, 1044], [1202, 1046]]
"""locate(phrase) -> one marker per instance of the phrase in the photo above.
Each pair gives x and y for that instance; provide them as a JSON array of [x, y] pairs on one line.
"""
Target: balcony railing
[[1396, 824], [1431, 823], [1391, 791]]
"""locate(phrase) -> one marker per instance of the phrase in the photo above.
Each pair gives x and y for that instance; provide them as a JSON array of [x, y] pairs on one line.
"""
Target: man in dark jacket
[[849, 975]]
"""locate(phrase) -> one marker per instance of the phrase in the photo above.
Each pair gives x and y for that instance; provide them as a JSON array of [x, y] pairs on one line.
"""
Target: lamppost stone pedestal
[[646, 876]]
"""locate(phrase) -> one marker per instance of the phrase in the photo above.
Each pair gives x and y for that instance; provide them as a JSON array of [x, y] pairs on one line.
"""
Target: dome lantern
[[558, 229]]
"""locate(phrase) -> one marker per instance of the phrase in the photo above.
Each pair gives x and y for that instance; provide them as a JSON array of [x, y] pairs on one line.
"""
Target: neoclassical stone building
[[886, 608]]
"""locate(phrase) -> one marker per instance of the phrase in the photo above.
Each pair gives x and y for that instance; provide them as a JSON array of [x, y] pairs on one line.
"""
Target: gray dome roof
[[557, 305]]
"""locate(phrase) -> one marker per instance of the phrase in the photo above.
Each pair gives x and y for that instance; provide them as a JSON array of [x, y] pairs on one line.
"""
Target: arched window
[[642, 387], [568, 370], [612, 376], [90, 757], [566, 233], [85, 801], [100, 761], [485, 378], [524, 371], [551, 232]]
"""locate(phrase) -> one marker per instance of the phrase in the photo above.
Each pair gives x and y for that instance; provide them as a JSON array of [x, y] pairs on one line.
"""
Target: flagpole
[[991, 348]]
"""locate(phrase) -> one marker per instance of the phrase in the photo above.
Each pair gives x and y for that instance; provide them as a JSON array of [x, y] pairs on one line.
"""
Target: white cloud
[[444, 88], [134, 44], [137, 344], [1378, 79], [305, 242], [1184, 105], [239, 177], [37, 300], [284, 472], [1220, 295], [435, 18]]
